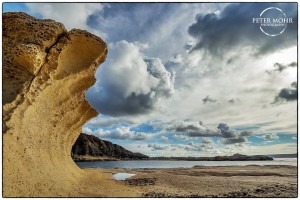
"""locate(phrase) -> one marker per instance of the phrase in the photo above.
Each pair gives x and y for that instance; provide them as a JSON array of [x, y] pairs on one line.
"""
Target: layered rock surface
[[89, 147], [46, 71]]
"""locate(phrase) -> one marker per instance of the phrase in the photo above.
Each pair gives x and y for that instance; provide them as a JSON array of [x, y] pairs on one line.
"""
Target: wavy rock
[[46, 71]]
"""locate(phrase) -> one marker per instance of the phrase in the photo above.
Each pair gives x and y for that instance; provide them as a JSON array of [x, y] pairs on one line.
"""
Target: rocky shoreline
[[207, 182]]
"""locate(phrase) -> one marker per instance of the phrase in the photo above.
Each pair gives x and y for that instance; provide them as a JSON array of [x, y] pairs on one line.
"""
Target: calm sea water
[[141, 164]]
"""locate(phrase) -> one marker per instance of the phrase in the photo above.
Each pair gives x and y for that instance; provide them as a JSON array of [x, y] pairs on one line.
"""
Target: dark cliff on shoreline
[[92, 148]]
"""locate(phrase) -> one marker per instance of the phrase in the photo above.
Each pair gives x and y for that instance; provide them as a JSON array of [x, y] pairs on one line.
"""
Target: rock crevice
[[46, 71]]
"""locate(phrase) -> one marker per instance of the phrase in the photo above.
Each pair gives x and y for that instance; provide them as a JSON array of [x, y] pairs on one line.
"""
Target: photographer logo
[[273, 21]]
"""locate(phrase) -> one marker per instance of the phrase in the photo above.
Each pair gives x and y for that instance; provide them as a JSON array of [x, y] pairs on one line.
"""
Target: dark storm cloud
[[287, 94], [234, 28], [208, 99]]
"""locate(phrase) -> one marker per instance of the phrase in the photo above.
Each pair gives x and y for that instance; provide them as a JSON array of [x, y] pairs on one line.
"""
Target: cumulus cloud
[[191, 128], [87, 130], [192, 148], [287, 94], [206, 140], [129, 83], [72, 15], [180, 137], [226, 131], [246, 133], [233, 28], [270, 136], [157, 147], [122, 133], [187, 129], [164, 138], [208, 99], [106, 122], [231, 136]]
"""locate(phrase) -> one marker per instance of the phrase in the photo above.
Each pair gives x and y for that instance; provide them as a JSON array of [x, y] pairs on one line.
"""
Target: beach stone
[[140, 181], [46, 71]]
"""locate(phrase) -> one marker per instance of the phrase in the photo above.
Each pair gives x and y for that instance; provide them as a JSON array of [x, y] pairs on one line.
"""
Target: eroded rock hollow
[[46, 71]]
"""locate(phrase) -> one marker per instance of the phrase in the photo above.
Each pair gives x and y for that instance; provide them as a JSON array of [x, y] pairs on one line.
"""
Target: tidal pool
[[122, 176]]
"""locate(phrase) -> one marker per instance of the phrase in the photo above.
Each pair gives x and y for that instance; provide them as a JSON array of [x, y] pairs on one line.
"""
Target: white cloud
[[286, 148], [270, 136], [191, 128], [121, 133], [206, 140], [180, 137], [169, 37], [164, 138], [130, 83], [243, 78], [87, 130], [107, 122], [72, 15], [158, 147]]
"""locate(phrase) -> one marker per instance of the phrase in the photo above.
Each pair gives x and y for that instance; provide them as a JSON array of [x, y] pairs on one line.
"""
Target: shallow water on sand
[[122, 176]]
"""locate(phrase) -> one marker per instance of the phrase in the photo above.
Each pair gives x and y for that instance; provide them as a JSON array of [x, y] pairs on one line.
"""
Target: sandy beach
[[199, 181]]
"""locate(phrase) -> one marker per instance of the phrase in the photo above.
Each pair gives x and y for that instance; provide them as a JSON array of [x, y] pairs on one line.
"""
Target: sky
[[188, 79]]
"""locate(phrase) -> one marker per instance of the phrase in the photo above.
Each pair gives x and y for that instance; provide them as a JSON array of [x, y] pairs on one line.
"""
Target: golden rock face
[[46, 71]]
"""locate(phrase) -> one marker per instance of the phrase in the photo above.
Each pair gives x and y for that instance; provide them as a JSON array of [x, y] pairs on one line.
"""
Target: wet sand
[[200, 181]]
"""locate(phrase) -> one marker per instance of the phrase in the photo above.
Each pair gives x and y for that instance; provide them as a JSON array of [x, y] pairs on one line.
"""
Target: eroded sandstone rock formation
[[46, 71]]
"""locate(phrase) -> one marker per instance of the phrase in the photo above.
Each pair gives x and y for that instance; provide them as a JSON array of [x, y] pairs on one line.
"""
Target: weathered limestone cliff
[[46, 71]]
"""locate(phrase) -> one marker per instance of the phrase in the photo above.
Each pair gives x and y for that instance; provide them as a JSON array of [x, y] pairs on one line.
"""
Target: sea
[[152, 164]]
